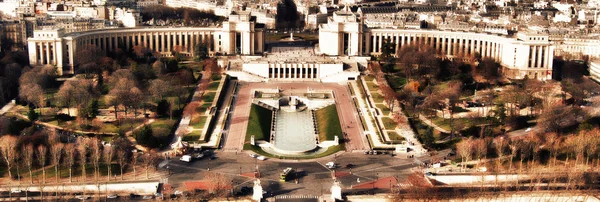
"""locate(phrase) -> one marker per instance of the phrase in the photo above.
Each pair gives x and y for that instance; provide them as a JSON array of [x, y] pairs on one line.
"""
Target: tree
[[42, 151], [428, 139], [464, 149], [480, 147], [201, 51], [125, 93], [287, 15], [108, 157], [558, 116], [159, 89], [33, 94], [488, 70], [79, 91], [122, 159], [149, 159], [159, 67], [500, 144], [70, 152], [27, 155], [56, 151], [8, 145], [82, 148], [95, 155]]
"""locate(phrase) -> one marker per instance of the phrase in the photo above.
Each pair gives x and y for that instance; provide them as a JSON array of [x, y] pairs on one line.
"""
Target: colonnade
[[446, 44], [537, 55], [293, 71], [163, 42]]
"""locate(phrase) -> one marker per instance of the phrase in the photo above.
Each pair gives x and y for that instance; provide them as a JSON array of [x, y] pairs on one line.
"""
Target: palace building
[[526, 54], [239, 35]]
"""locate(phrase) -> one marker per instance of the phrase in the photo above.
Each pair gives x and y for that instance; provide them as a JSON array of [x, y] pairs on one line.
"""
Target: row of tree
[[18, 153]]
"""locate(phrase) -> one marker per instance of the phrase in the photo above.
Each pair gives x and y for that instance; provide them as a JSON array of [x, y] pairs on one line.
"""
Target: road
[[313, 177]]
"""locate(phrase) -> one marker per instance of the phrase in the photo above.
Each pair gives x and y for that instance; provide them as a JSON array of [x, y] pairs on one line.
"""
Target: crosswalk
[[296, 197]]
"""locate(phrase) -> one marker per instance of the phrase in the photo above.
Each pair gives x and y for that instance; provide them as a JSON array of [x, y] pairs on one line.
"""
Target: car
[[198, 155], [253, 155], [528, 130], [158, 195], [147, 197], [177, 192], [186, 158], [262, 158], [15, 191], [349, 165], [112, 196], [330, 165], [82, 197]]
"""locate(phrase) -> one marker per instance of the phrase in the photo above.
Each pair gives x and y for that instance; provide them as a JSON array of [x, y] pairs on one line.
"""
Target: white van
[[186, 158]]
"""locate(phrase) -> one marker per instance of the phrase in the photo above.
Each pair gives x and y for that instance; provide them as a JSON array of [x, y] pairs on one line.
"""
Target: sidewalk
[[428, 122]]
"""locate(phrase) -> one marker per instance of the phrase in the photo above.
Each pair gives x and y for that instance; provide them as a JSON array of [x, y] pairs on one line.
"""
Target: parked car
[[262, 158], [82, 197], [253, 155], [330, 165], [186, 158], [112, 196]]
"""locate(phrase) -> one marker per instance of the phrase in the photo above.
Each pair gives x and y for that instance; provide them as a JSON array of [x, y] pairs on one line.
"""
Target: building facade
[[526, 55], [239, 35]]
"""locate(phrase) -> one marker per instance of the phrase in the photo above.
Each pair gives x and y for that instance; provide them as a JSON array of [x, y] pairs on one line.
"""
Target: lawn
[[328, 123], [331, 150], [466, 122], [213, 86], [215, 77], [394, 136], [372, 86], [259, 123], [209, 97], [384, 109], [162, 126], [198, 122], [395, 82], [389, 123], [378, 98], [202, 108], [192, 137]]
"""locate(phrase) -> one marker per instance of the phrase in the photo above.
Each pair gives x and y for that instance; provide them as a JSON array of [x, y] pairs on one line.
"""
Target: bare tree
[[159, 89], [149, 159], [70, 152], [95, 155], [480, 147], [42, 151], [79, 92], [122, 159], [8, 145], [465, 150], [56, 153], [108, 157], [124, 93], [32, 93], [82, 148], [27, 154], [500, 144], [134, 162]]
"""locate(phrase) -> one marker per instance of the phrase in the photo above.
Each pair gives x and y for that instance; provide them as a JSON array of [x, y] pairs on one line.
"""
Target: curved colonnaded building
[[239, 35], [526, 54]]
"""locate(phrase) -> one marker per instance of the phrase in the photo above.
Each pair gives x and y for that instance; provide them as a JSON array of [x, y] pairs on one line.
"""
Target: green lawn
[[395, 82], [209, 97], [162, 127], [198, 122], [216, 77], [395, 136], [389, 123], [331, 150], [192, 137], [466, 122], [213, 86], [378, 98], [328, 123], [202, 108], [372, 86], [384, 109], [259, 123]]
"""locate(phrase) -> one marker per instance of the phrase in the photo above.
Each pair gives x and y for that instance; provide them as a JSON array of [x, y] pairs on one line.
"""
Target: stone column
[[380, 42], [539, 65], [47, 44], [443, 49]]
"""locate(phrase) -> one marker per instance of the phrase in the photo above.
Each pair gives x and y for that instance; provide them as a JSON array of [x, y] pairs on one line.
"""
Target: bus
[[285, 174]]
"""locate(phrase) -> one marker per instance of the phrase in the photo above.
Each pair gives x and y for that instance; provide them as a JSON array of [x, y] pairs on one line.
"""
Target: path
[[428, 122], [130, 137]]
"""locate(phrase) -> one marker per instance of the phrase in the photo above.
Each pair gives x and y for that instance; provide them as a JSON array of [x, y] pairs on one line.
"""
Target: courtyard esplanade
[[527, 54], [239, 35]]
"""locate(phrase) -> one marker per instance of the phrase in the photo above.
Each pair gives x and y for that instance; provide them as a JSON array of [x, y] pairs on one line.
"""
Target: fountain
[[291, 38]]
